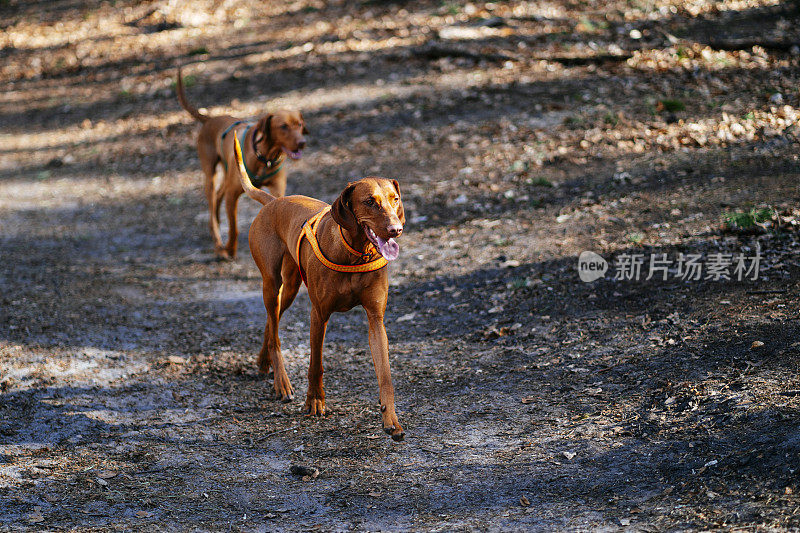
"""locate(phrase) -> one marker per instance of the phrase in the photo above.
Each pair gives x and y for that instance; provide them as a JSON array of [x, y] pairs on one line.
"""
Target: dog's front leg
[[379, 347], [315, 398]]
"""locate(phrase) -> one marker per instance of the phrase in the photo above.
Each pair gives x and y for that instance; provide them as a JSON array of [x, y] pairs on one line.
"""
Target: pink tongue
[[390, 250]]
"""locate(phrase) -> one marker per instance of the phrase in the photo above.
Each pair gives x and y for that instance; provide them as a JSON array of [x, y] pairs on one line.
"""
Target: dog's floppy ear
[[305, 129], [401, 213], [268, 130], [342, 212], [264, 127]]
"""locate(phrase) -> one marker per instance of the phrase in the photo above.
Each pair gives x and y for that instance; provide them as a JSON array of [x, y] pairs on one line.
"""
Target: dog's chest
[[346, 291]]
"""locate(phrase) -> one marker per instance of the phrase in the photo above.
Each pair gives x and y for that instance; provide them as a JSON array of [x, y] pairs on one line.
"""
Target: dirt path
[[522, 134]]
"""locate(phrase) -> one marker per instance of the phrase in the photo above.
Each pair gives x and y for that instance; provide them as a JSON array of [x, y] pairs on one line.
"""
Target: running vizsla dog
[[341, 252], [266, 143]]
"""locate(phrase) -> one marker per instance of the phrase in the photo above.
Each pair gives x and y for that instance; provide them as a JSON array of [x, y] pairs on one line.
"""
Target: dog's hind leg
[[268, 253], [290, 276], [213, 198], [231, 203]]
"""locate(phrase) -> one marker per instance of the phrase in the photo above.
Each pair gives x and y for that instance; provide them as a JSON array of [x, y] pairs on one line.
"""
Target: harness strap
[[222, 139], [255, 179], [309, 232]]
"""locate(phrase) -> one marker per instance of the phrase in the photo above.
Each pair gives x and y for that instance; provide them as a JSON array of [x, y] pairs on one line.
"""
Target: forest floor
[[522, 134]]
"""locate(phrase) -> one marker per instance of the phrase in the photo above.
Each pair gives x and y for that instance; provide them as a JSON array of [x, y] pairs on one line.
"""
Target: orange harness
[[310, 232]]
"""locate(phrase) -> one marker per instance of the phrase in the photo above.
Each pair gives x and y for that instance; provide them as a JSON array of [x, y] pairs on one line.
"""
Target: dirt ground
[[522, 134]]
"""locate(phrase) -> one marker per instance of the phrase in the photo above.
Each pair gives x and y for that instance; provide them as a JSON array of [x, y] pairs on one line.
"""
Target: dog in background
[[266, 143]]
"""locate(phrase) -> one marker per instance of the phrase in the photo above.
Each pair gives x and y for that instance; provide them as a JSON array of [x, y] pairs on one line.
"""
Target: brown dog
[[341, 251], [267, 142]]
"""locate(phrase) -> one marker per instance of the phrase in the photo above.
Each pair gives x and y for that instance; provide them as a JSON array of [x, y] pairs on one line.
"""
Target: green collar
[[272, 167]]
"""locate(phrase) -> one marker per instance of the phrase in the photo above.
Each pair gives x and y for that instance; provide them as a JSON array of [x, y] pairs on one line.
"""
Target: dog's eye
[[369, 201], [284, 126], [395, 200]]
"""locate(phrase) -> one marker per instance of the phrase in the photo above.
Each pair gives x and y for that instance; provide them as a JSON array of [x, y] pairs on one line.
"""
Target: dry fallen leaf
[[524, 501], [407, 317]]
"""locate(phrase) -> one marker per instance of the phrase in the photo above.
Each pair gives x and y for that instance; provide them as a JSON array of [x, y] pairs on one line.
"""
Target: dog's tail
[[253, 192], [186, 105]]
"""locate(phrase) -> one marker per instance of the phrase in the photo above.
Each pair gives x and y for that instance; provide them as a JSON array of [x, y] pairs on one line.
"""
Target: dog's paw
[[223, 254], [285, 397], [264, 366], [315, 406], [392, 427], [396, 433], [283, 389]]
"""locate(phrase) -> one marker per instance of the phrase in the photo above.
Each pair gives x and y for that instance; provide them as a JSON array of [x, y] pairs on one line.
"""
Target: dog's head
[[283, 130], [372, 205]]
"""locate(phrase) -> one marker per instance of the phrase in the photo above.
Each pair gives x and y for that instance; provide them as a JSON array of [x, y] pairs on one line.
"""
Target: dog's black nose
[[301, 144], [394, 230]]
